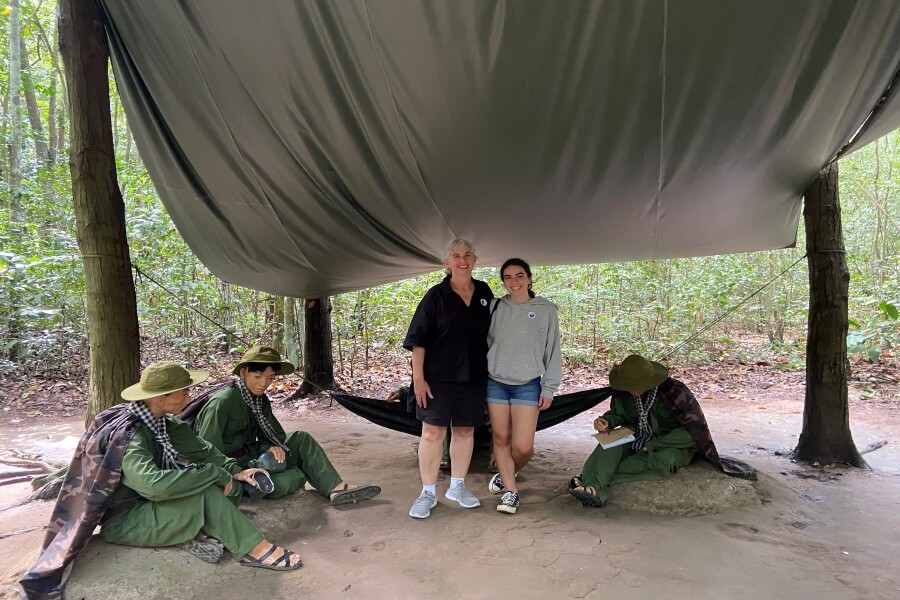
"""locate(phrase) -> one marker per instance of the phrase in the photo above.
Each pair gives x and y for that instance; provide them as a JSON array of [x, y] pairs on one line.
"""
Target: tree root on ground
[[873, 446], [46, 486]]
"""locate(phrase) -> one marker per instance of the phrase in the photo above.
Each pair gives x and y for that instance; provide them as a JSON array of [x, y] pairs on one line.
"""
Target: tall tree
[[16, 215], [276, 323], [99, 209], [318, 363], [41, 150], [55, 108], [51, 121], [290, 332], [15, 114], [826, 436]]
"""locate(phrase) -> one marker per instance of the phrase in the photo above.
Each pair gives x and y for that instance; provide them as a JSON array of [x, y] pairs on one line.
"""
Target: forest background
[[187, 314]]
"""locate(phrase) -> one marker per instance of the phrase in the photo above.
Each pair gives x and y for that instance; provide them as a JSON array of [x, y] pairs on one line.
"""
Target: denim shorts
[[527, 394]]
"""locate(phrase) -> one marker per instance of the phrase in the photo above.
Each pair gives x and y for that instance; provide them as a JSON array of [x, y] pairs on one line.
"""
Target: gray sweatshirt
[[523, 343]]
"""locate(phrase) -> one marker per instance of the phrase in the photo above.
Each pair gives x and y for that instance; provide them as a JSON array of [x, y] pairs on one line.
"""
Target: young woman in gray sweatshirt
[[524, 371]]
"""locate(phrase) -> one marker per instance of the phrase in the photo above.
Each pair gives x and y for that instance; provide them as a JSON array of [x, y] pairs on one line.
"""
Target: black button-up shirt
[[454, 335]]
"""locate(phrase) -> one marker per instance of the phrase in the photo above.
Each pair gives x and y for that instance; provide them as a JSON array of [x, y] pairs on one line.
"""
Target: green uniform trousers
[[306, 461], [621, 464], [170, 522]]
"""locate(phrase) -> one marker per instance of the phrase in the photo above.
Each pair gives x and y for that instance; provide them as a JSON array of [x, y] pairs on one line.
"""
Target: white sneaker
[[421, 508], [495, 485], [462, 495]]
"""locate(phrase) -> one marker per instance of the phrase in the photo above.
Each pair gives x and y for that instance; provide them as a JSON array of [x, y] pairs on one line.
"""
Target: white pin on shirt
[[531, 315], [483, 302]]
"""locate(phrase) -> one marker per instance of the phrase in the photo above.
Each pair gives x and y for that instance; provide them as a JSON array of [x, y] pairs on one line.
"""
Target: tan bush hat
[[265, 355], [161, 378], [637, 373]]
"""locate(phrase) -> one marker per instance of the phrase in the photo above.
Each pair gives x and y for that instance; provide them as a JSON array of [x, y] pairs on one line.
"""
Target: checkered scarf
[[158, 427], [643, 434], [256, 404]]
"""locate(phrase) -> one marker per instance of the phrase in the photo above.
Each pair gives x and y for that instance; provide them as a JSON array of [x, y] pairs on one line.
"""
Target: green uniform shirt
[[143, 479], [227, 423]]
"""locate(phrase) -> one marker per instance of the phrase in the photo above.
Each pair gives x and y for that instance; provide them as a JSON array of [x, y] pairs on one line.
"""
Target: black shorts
[[460, 404]]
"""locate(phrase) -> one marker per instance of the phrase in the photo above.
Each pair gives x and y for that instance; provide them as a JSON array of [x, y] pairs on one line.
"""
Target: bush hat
[[637, 373], [265, 355], [163, 377]]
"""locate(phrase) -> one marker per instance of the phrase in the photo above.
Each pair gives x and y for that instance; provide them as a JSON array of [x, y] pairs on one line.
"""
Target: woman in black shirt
[[448, 339]]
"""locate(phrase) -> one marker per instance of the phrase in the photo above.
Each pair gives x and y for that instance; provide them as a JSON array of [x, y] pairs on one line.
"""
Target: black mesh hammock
[[401, 416]]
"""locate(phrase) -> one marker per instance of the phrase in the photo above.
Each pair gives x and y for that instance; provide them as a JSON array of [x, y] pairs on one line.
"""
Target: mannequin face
[[258, 382], [168, 404]]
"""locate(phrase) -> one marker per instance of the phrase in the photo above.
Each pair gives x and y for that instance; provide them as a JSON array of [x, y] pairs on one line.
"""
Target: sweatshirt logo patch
[[483, 302], [531, 315]]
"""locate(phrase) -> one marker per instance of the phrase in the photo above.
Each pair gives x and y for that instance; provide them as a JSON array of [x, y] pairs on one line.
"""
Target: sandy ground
[[827, 532]]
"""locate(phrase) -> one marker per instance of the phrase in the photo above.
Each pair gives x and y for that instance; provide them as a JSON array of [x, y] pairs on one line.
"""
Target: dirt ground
[[824, 532]]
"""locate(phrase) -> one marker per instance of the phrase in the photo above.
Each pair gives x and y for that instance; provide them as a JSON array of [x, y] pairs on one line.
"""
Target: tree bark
[[41, 149], [51, 122], [318, 363], [4, 148], [16, 215], [826, 436], [52, 98], [290, 332], [15, 114], [99, 209], [277, 324]]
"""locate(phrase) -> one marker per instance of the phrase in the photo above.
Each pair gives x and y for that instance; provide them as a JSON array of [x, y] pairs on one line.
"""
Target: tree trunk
[[15, 114], [99, 209], [277, 324], [4, 147], [826, 434], [55, 114], [62, 120], [227, 316], [51, 122], [16, 215], [62, 99], [41, 150], [318, 363], [290, 332]]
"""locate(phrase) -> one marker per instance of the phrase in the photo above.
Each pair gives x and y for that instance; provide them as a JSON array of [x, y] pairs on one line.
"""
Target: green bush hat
[[637, 373], [264, 354], [163, 377]]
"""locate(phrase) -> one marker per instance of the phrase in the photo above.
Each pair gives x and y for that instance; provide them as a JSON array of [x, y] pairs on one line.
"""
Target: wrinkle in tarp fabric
[[310, 148]]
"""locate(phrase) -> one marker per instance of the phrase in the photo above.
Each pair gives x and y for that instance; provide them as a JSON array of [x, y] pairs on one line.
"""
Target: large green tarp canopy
[[307, 148]]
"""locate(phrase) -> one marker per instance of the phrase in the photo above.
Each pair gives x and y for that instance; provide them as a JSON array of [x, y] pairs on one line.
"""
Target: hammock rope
[[712, 323], [141, 273]]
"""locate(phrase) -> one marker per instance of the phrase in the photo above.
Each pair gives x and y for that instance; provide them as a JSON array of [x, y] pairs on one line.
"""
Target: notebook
[[615, 437]]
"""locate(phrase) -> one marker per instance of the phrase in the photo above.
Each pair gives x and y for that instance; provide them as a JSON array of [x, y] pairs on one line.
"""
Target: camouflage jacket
[[681, 401], [94, 475]]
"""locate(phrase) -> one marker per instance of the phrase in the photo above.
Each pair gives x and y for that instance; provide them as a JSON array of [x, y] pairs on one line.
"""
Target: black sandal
[[587, 496], [576, 482], [257, 563], [357, 494]]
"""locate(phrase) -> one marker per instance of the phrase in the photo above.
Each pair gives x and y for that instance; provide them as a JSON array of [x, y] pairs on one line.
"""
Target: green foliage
[[879, 333], [606, 310]]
